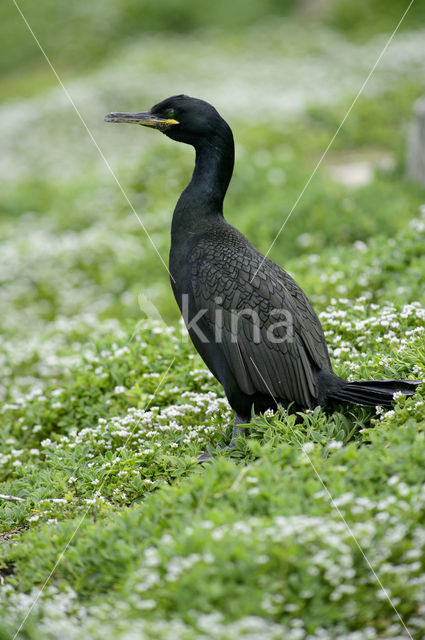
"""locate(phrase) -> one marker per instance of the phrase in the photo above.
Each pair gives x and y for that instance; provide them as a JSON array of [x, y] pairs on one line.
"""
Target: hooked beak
[[145, 118]]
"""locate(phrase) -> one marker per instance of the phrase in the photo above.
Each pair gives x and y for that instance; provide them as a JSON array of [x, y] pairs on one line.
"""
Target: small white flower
[[307, 447], [120, 389], [334, 444]]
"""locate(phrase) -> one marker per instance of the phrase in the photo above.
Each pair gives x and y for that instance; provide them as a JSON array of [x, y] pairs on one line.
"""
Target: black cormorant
[[251, 323]]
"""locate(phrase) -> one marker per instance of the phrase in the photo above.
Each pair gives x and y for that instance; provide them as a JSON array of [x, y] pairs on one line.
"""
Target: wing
[[262, 321]]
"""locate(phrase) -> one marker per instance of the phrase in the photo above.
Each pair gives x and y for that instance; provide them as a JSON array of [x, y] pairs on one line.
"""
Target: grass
[[106, 407]]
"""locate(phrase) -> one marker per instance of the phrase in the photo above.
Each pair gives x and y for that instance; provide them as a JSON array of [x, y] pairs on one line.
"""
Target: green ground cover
[[106, 406]]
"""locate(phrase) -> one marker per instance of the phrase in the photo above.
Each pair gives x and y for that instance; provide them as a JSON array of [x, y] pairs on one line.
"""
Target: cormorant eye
[[171, 113]]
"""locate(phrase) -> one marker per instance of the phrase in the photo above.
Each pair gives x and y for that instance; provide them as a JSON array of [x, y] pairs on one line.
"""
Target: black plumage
[[249, 320]]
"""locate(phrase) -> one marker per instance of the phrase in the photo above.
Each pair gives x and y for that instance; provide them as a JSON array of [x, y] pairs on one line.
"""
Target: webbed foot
[[206, 456]]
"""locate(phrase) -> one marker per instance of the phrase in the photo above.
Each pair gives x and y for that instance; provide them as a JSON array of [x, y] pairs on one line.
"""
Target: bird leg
[[237, 431]]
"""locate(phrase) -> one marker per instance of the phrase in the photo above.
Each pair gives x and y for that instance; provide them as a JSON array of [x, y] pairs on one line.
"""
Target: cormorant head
[[181, 118]]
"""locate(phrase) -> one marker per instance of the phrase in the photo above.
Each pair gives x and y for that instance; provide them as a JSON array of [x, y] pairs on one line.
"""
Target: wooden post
[[415, 169]]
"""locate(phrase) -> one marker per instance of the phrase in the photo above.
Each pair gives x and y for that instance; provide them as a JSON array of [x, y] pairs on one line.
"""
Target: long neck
[[204, 195]]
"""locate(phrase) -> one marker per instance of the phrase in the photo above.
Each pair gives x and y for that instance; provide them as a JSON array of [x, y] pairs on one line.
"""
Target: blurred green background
[[78, 35], [282, 73]]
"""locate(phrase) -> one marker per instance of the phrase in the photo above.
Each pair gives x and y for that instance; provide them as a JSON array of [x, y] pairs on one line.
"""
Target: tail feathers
[[372, 393]]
